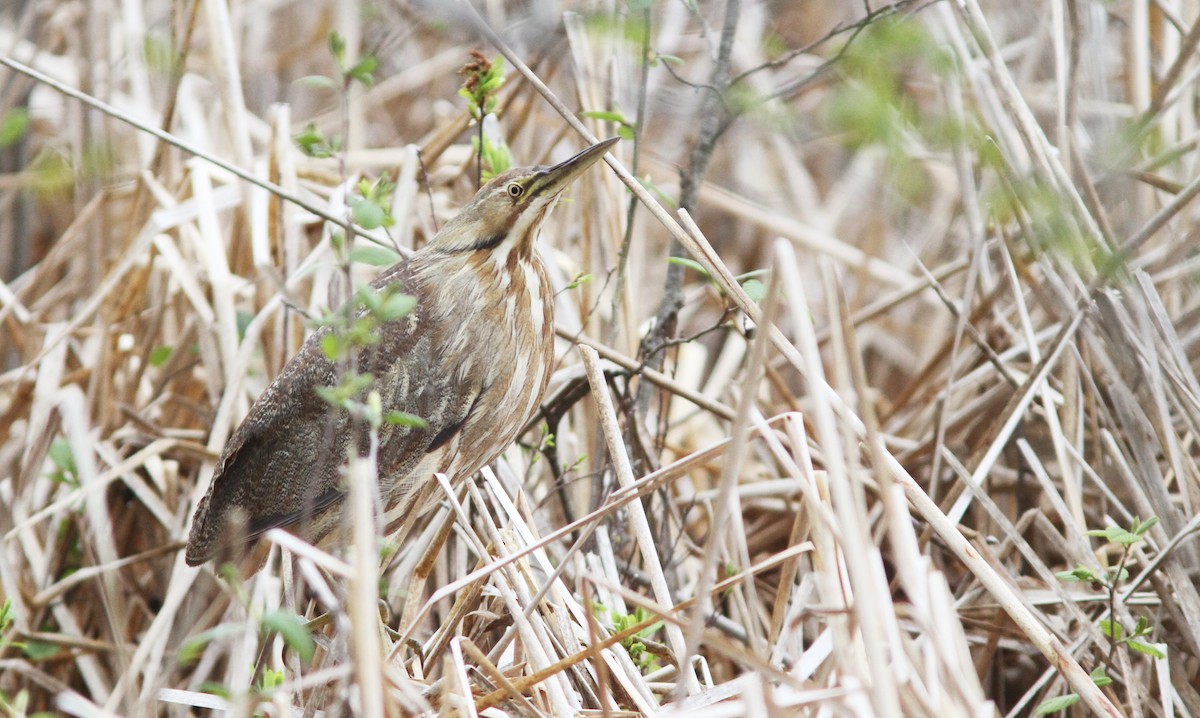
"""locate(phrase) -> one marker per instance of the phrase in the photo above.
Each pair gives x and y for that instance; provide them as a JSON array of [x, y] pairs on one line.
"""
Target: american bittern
[[472, 359]]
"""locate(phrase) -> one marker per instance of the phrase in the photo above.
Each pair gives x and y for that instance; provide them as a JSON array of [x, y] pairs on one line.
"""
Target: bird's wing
[[282, 464], [278, 461]]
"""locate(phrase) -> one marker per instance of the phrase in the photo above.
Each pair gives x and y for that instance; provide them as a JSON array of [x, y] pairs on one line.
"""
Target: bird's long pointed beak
[[557, 178]]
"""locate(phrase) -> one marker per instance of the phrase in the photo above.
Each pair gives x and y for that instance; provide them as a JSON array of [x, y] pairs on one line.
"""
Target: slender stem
[[1112, 605], [428, 190], [167, 137], [631, 212], [348, 363], [479, 150], [712, 123]]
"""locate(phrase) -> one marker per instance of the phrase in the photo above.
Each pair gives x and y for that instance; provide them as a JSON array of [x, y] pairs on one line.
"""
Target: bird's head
[[508, 211]]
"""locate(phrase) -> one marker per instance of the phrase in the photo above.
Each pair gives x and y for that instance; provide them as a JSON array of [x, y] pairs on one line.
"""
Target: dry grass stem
[[935, 357]]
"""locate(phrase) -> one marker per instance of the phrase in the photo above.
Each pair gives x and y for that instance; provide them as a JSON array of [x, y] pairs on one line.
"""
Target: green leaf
[[367, 298], [331, 347], [1141, 528], [345, 394], [38, 650], [329, 395], [496, 156], [292, 629], [603, 115], [159, 355], [50, 173], [396, 306], [752, 274], [642, 614], [215, 689], [1054, 705], [491, 84], [1147, 649], [375, 255], [1116, 534], [367, 213], [20, 703], [6, 614], [362, 332], [270, 680], [756, 290], [669, 59], [579, 281], [1100, 678], [1112, 629], [625, 132], [400, 418], [1079, 573], [60, 454], [654, 189], [13, 126], [322, 81], [622, 622], [160, 53], [364, 70], [312, 141], [374, 410], [688, 263], [243, 319], [194, 646], [337, 46], [1143, 626]]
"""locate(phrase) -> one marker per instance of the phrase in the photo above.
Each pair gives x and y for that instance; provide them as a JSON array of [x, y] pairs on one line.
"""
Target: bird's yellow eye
[[515, 190]]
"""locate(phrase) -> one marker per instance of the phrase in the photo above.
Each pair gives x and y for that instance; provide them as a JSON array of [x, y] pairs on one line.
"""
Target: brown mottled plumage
[[472, 360]]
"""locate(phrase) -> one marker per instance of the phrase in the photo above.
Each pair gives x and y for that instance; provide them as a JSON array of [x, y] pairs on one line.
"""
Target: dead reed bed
[[932, 319]]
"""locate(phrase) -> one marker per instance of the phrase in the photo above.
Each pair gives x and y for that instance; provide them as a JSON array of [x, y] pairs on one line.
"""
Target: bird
[[472, 360]]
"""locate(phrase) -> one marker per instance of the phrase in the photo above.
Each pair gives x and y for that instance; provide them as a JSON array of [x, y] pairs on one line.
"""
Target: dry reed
[[847, 491]]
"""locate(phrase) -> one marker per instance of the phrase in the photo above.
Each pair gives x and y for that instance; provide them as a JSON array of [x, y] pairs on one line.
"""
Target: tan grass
[[850, 498]]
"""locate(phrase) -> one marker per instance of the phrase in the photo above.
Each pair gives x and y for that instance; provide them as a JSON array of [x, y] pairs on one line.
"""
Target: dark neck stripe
[[484, 244]]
